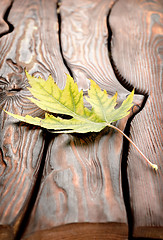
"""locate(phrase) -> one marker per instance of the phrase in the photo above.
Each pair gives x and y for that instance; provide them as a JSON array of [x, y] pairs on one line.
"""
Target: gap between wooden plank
[[129, 87], [47, 136], [59, 36], [5, 18]]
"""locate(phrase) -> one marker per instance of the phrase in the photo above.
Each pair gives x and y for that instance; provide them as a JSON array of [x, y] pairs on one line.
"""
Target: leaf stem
[[154, 166]]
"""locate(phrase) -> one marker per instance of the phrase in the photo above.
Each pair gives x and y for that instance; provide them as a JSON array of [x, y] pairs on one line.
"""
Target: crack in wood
[[125, 83], [25, 219], [5, 18], [58, 4], [125, 149]]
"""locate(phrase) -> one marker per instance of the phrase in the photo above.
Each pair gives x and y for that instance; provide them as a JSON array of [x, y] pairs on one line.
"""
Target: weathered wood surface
[[84, 176], [137, 50], [22, 147]]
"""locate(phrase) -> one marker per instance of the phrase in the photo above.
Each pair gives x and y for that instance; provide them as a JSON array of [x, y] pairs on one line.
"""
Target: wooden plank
[[81, 184], [84, 39], [81, 231], [137, 42], [21, 146], [82, 178]]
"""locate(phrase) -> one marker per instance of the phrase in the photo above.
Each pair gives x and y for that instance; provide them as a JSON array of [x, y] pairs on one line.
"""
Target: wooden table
[[81, 186]]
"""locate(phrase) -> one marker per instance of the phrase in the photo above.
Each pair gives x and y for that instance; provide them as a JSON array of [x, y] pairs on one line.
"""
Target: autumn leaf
[[69, 101]]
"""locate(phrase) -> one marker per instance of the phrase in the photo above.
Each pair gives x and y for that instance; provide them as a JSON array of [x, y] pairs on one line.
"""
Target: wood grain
[[84, 39], [21, 146], [81, 231], [82, 179], [80, 195], [137, 41], [21, 150], [82, 183]]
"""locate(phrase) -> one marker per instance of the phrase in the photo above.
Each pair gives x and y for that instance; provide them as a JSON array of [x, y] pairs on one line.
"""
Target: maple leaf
[[69, 101]]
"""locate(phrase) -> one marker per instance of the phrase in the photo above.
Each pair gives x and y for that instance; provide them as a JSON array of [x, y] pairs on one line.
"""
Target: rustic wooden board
[[81, 231], [81, 184], [22, 45], [82, 179], [137, 42], [84, 39], [80, 193]]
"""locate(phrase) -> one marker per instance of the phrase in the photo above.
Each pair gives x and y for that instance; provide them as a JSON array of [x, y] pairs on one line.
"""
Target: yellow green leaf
[[51, 98], [69, 101]]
